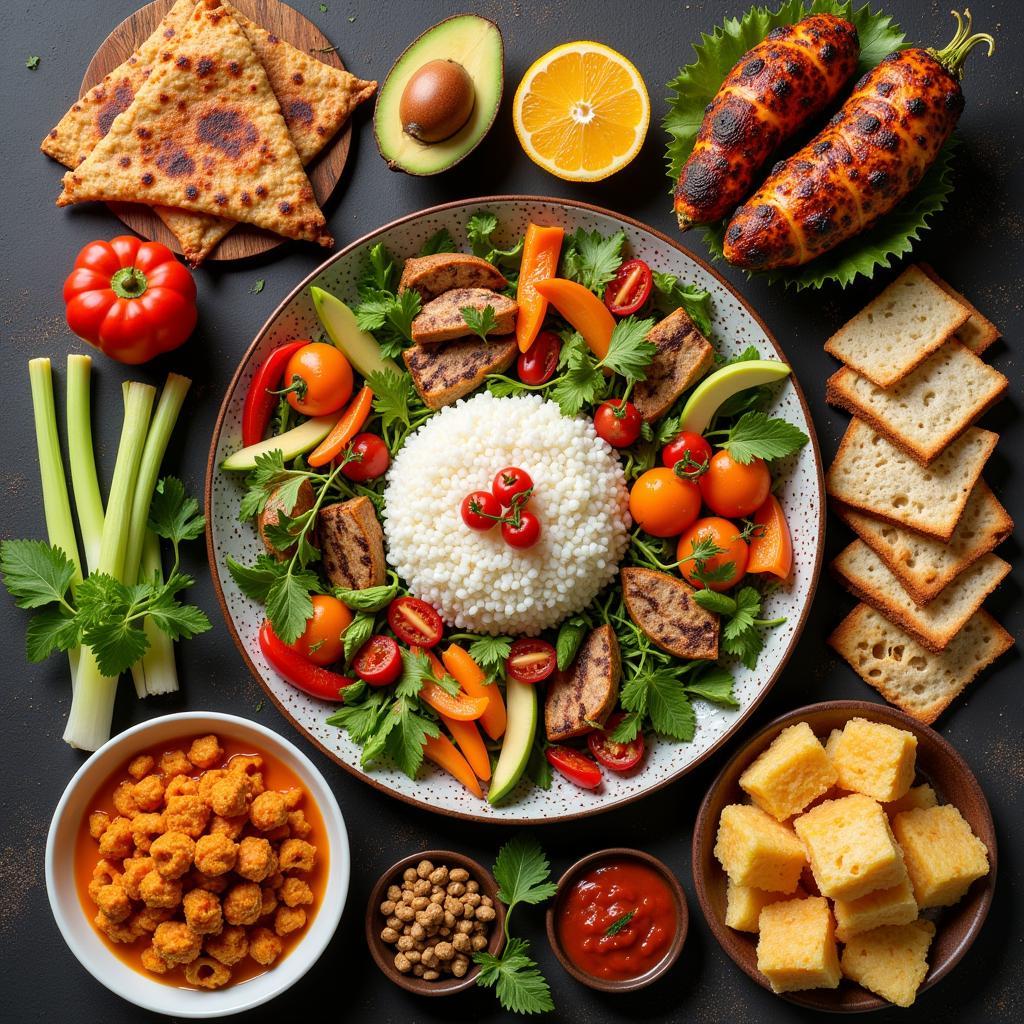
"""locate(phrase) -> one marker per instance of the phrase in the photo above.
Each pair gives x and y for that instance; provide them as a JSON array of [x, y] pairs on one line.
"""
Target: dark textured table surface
[[977, 243]]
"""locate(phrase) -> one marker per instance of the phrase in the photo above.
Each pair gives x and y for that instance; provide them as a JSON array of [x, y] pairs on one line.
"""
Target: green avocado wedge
[[291, 443], [721, 385], [521, 707], [358, 346]]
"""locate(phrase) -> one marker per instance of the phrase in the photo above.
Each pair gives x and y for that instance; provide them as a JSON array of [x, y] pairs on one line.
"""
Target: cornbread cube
[[942, 854], [792, 773], [891, 961], [743, 905], [881, 907], [755, 850], [875, 759], [797, 947], [850, 847], [916, 796], [832, 742]]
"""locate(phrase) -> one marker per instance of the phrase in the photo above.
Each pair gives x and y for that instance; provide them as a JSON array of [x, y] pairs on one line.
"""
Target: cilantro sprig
[[480, 231], [480, 321], [741, 621], [381, 310], [592, 259], [756, 435]]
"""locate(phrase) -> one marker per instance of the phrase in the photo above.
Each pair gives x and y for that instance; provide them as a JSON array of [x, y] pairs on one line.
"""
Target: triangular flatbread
[[205, 133]]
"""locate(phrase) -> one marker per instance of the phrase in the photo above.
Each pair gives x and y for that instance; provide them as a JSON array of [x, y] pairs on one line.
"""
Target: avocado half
[[476, 44]]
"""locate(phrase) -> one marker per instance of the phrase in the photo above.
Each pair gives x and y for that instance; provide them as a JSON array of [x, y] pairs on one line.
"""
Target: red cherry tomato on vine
[[372, 458], [630, 288], [415, 622], [531, 660], [689, 448], [731, 551], [576, 767], [379, 661], [512, 486], [617, 423], [538, 363], [321, 642], [525, 534], [480, 510], [735, 489], [619, 757]]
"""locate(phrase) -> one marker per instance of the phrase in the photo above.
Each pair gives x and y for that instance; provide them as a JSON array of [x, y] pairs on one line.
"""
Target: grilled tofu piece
[[684, 355], [352, 544], [444, 373], [441, 271], [663, 607], [586, 693], [441, 319], [271, 515]]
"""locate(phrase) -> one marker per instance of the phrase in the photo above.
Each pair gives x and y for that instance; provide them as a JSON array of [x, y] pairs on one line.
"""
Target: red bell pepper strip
[[300, 672], [259, 402]]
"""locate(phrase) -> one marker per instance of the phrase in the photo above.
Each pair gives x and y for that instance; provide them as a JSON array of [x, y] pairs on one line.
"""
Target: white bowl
[[92, 950]]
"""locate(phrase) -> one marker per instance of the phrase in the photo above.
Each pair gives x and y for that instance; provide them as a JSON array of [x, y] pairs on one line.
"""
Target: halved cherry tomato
[[480, 510], [522, 534], [372, 458], [619, 757], [662, 503], [538, 363], [531, 660], [512, 486], [379, 661], [318, 379], [732, 551], [735, 489], [322, 641], [617, 422], [691, 450], [576, 767], [630, 288], [415, 622], [771, 547]]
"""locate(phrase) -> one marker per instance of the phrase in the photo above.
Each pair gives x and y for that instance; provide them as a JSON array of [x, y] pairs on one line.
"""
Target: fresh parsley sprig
[[480, 321], [670, 295], [756, 435], [592, 259], [381, 310], [741, 621]]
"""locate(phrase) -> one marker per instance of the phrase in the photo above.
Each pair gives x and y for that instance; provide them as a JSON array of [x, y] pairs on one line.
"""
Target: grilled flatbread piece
[[584, 694], [352, 544], [663, 607], [205, 133]]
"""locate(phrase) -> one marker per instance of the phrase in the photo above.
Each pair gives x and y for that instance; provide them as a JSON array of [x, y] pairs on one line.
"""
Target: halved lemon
[[582, 111]]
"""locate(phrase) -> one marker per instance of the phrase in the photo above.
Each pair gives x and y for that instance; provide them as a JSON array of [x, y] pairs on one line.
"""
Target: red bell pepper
[[259, 402], [302, 673], [131, 299]]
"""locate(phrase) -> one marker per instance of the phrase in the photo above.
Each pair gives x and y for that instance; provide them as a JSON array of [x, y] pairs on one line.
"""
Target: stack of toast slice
[[907, 479]]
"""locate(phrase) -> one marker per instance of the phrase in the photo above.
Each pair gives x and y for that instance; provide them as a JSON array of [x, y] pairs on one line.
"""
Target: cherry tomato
[[619, 757], [523, 536], [538, 363], [512, 486], [480, 510], [379, 661], [689, 448], [629, 289], [576, 767], [321, 642], [415, 622], [617, 423], [733, 489], [531, 660], [663, 504], [733, 551], [318, 379], [372, 461]]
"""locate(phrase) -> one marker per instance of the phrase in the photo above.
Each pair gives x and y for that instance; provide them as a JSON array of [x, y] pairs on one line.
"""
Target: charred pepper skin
[[774, 91]]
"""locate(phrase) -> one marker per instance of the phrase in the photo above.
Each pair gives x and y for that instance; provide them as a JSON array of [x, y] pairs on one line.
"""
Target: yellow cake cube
[[832, 742], [875, 759], [943, 855], [916, 796], [792, 773], [755, 850], [850, 847], [796, 948], [883, 906], [890, 961], [743, 904]]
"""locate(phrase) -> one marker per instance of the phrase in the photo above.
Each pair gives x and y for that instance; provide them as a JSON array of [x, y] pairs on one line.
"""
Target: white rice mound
[[474, 579]]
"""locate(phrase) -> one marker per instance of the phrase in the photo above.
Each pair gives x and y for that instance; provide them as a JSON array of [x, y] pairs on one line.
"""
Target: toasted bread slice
[[585, 694], [977, 332], [935, 625], [872, 474], [916, 680], [352, 544], [925, 565], [898, 330], [927, 410], [663, 607], [442, 374], [684, 355], [442, 271], [441, 319]]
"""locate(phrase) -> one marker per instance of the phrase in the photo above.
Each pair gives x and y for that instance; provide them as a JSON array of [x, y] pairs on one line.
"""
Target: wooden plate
[[938, 763], [325, 171]]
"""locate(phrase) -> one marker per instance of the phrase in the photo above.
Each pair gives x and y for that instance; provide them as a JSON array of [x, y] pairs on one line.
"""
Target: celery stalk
[[84, 482], [157, 672]]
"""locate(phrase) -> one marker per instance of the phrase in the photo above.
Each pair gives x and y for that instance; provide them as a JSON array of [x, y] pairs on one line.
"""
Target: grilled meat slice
[[271, 515], [586, 693], [663, 607], [352, 544], [441, 319], [442, 271], [684, 355], [444, 373]]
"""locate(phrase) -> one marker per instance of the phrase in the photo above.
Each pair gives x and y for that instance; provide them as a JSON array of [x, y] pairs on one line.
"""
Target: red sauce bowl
[[597, 892]]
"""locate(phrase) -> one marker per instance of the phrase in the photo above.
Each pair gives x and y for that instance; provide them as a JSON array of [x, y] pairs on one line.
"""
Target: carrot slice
[[461, 706], [541, 248], [468, 674], [442, 752], [771, 547], [583, 309], [352, 420]]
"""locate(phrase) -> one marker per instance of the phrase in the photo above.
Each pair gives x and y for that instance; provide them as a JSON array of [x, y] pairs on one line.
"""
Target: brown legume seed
[[471, 899], [387, 908], [461, 943], [391, 936], [472, 885], [456, 888], [413, 956], [421, 887], [463, 927], [404, 912], [487, 901], [439, 875], [402, 963], [484, 913], [394, 892], [424, 869], [459, 968], [418, 970], [478, 942], [437, 898], [420, 903], [407, 896], [430, 975], [394, 922], [444, 951], [458, 875], [417, 931], [404, 943], [429, 957], [409, 875]]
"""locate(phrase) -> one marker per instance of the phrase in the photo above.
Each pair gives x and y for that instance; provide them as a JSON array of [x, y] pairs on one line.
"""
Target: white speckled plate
[[802, 493]]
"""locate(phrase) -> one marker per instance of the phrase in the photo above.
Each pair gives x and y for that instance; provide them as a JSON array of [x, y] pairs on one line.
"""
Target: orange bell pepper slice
[[583, 309], [468, 674], [351, 422], [442, 752], [771, 547], [541, 248], [460, 706]]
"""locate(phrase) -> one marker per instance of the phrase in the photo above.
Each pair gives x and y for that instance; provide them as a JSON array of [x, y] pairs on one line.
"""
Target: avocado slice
[[721, 385], [292, 443], [359, 346], [471, 41], [521, 708]]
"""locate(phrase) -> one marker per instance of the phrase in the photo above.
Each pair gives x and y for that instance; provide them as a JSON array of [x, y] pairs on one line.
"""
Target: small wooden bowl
[[384, 954], [682, 921], [937, 763]]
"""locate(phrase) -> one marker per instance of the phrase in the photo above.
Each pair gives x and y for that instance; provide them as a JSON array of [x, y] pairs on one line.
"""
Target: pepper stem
[[129, 283], [955, 53]]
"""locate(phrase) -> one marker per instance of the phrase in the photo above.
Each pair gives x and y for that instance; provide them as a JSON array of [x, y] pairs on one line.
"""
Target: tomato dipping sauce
[[618, 920]]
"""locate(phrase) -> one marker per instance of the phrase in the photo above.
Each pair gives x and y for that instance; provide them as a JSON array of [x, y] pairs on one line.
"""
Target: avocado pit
[[437, 101]]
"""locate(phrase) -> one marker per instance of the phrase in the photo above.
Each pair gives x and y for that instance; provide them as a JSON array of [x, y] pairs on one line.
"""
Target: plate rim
[[211, 468]]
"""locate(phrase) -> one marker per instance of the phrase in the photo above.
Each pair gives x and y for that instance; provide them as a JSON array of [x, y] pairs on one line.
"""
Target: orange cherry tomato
[[771, 547], [733, 489], [726, 567], [664, 504], [322, 641], [318, 379]]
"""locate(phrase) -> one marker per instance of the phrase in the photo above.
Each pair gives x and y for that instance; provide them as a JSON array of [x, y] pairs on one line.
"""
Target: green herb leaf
[[392, 393], [390, 316], [256, 580], [570, 636], [289, 605], [407, 735], [538, 768], [712, 601], [592, 259], [619, 923], [755, 435], [629, 352], [491, 653], [479, 229], [32, 62], [746, 645], [670, 295], [523, 873], [370, 599], [378, 272], [670, 710], [258, 285], [748, 607], [628, 728], [361, 718], [439, 241], [713, 684], [175, 516], [51, 630], [480, 322], [358, 631], [520, 987], [580, 385], [35, 573]]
